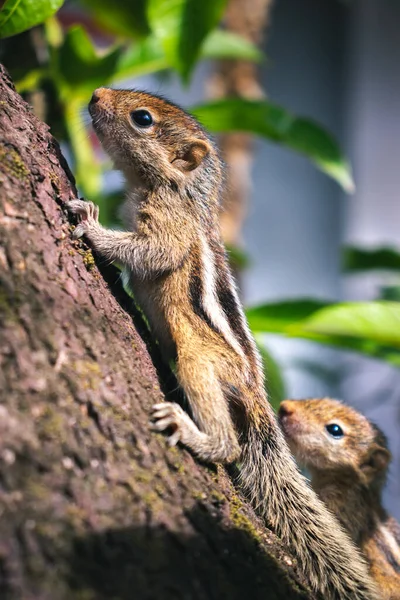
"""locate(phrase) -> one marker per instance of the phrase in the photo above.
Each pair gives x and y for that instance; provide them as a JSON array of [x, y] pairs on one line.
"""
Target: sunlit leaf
[[124, 17], [147, 56], [30, 81], [377, 322], [86, 169], [54, 32], [277, 316], [311, 139], [371, 328], [141, 58], [18, 15], [364, 259], [80, 66], [225, 44], [278, 125], [182, 26]]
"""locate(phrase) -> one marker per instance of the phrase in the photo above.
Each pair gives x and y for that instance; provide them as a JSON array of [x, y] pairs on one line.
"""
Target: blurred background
[[303, 98]]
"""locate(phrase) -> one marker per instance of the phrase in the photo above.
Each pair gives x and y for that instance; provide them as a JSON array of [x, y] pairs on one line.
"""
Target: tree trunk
[[93, 505]]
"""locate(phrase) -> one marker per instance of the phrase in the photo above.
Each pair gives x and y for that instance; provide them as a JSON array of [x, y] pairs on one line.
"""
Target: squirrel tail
[[281, 495]]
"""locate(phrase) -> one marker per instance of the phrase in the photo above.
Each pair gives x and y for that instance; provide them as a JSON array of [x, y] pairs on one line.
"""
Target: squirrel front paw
[[169, 415], [89, 214]]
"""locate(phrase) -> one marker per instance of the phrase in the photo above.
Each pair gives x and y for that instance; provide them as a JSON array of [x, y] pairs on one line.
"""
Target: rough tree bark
[[92, 504]]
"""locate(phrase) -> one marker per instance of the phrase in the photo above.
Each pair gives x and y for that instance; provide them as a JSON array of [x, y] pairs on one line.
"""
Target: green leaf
[[224, 44], [371, 328], [377, 322], [87, 169], [238, 258], [277, 316], [390, 292], [274, 383], [182, 26], [31, 81], [147, 56], [141, 58], [124, 17], [276, 124], [310, 139], [362, 259], [53, 32], [109, 205], [18, 15], [81, 68]]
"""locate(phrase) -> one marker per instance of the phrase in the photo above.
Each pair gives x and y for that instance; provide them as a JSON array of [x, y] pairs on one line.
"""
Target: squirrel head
[[326, 435], [154, 142]]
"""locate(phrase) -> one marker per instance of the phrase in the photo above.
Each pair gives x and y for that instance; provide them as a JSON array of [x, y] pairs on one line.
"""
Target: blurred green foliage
[[371, 328], [357, 260], [275, 123], [62, 66], [148, 37], [18, 15], [182, 26]]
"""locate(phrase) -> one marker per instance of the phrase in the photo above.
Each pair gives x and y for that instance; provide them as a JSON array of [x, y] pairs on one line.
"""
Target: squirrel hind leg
[[210, 408], [210, 434]]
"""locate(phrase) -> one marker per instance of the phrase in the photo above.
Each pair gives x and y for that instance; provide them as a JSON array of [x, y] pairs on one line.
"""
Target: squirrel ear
[[377, 461], [190, 155]]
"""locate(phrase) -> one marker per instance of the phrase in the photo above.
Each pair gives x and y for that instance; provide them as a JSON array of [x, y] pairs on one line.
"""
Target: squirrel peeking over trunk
[[174, 257], [348, 458]]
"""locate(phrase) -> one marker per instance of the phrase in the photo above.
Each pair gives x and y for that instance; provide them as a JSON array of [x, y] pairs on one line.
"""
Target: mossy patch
[[143, 476], [89, 374], [8, 305], [240, 520], [36, 491], [152, 500], [88, 259], [217, 498], [55, 181], [12, 162], [197, 495], [52, 425]]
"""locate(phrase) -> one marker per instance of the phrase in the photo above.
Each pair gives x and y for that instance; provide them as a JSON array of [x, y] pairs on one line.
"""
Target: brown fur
[[348, 474], [176, 263]]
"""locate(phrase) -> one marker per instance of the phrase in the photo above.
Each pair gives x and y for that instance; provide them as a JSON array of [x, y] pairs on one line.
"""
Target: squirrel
[[347, 458], [177, 266]]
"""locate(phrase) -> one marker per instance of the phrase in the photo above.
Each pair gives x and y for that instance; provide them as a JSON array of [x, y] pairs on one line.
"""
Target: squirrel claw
[[88, 213], [169, 415], [86, 210], [79, 231], [173, 439]]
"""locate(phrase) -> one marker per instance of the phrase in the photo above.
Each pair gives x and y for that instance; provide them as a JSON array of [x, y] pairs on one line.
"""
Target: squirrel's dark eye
[[334, 430], [142, 118]]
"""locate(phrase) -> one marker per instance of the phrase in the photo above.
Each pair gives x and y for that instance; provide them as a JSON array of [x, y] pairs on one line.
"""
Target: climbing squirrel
[[177, 267], [347, 458]]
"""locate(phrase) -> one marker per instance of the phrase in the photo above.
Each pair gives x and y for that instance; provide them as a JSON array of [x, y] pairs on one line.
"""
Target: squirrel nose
[[96, 96], [286, 408]]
